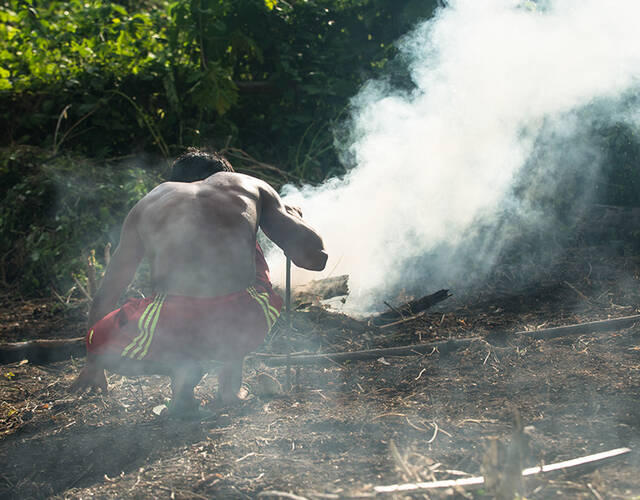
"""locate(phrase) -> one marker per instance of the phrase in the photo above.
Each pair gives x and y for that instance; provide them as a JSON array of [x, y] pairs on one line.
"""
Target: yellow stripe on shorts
[[134, 342], [143, 327], [271, 313], [153, 329]]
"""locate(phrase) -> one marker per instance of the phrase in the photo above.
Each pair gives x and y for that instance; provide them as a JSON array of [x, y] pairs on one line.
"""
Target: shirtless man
[[212, 296]]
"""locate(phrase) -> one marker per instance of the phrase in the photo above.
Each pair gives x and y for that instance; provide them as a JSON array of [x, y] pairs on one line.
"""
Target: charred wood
[[410, 308]]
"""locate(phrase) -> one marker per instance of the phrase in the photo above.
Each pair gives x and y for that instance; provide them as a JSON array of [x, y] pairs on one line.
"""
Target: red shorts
[[164, 328]]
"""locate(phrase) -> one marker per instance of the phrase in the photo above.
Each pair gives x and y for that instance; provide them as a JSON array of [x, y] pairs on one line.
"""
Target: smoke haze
[[442, 177]]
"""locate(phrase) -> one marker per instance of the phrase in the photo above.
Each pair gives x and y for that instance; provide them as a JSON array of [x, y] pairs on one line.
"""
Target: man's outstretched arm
[[121, 269], [119, 274], [284, 226]]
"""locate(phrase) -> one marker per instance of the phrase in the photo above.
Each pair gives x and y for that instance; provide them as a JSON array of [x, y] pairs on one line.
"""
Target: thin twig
[[434, 424], [283, 494], [411, 424], [81, 287], [63, 114], [58, 296], [400, 462], [75, 481], [594, 491], [242, 155], [435, 433], [66, 134], [253, 453], [390, 414], [404, 320], [582, 295]]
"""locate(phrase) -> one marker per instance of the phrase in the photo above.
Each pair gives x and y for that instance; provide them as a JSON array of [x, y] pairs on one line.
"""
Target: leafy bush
[[265, 76], [53, 212]]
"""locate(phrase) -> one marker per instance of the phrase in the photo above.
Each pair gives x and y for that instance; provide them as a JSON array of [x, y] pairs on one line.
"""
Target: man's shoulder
[[244, 182], [166, 188], [239, 177], [156, 194]]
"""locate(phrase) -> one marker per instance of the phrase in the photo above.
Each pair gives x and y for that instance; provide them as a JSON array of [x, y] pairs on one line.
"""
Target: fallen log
[[42, 350]]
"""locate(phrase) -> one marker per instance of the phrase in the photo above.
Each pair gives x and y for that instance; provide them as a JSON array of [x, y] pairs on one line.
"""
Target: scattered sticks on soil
[[331, 435], [474, 481], [446, 346]]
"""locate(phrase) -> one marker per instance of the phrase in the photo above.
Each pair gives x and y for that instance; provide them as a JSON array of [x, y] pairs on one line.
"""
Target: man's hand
[[90, 378]]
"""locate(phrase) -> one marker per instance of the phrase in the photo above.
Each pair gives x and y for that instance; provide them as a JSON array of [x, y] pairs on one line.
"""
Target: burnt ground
[[347, 427]]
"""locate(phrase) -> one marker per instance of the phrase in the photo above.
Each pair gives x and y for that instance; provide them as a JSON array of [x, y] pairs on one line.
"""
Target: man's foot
[[230, 399], [183, 381], [183, 410]]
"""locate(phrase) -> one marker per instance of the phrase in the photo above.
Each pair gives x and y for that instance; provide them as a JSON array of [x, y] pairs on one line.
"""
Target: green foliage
[[54, 212], [268, 80], [265, 76]]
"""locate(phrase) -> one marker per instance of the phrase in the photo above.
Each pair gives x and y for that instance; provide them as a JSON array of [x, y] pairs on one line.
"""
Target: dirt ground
[[345, 428]]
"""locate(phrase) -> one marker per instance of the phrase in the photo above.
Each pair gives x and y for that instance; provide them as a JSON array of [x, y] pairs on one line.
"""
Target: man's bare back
[[200, 237]]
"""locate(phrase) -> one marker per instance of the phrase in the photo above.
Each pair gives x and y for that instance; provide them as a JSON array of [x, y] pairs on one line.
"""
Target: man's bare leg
[[230, 383], [184, 379]]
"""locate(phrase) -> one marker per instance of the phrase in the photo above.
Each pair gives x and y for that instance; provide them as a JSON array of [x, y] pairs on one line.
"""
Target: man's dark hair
[[196, 165]]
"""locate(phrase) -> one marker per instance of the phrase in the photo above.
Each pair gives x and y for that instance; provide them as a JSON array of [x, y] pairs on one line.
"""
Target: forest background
[[97, 98]]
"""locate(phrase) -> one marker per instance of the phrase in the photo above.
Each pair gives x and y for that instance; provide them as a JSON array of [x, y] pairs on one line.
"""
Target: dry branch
[[410, 308], [253, 163], [81, 287], [405, 320], [579, 328], [443, 346], [472, 481], [42, 351]]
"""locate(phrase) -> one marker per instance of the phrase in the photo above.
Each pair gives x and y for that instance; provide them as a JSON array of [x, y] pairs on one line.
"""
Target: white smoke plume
[[505, 93]]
